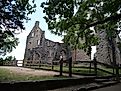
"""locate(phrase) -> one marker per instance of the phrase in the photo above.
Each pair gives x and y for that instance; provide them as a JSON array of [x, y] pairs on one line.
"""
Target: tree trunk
[[70, 67], [75, 52], [115, 66], [61, 67], [95, 65]]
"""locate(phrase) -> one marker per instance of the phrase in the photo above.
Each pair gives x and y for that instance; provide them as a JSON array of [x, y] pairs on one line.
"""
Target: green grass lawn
[[6, 76], [66, 69], [80, 70]]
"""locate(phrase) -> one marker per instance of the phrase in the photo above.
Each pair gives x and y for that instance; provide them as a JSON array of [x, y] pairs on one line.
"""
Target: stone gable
[[42, 50]]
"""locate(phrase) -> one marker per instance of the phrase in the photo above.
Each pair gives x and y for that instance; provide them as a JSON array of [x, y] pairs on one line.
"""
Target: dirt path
[[28, 71]]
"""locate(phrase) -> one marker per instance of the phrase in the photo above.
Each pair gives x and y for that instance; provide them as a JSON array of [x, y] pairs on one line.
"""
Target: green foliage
[[6, 59], [7, 43], [10, 58], [76, 17], [12, 15], [1, 61]]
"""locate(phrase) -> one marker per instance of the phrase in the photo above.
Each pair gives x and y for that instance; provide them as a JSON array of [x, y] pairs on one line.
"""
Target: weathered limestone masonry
[[104, 49], [42, 50]]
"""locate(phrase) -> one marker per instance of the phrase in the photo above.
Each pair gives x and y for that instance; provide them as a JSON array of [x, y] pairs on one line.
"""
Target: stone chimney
[[37, 23]]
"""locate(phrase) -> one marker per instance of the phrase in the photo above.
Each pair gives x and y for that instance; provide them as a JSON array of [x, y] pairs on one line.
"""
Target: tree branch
[[111, 18]]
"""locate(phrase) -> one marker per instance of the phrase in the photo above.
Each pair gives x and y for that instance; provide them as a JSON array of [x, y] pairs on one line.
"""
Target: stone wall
[[45, 50], [42, 50], [79, 55], [104, 49]]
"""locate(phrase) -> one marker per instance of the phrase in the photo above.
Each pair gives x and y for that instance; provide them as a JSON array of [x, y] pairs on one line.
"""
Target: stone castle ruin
[[42, 50], [104, 50]]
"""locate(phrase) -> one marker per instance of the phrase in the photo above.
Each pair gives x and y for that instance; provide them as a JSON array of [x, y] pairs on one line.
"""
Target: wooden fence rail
[[94, 64]]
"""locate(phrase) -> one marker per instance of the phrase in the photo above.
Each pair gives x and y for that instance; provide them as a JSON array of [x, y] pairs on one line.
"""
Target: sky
[[37, 16]]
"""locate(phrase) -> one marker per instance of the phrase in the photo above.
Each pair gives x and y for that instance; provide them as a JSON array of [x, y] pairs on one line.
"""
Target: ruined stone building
[[42, 50], [104, 52]]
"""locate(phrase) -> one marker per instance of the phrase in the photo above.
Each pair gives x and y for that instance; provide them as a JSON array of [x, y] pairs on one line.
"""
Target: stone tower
[[104, 49], [39, 49], [35, 40]]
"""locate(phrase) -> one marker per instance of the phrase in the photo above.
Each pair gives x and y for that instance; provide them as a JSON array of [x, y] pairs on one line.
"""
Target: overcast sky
[[37, 16]]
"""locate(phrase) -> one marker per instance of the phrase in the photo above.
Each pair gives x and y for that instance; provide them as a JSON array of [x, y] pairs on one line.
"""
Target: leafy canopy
[[76, 18], [12, 15]]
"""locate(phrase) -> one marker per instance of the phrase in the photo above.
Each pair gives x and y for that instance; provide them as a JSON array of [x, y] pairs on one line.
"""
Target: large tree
[[12, 15], [75, 18]]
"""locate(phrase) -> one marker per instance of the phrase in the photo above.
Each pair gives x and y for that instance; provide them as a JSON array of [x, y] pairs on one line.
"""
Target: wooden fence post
[[117, 73], [95, 66], [52, 65], [61, 66], [70, 67], [90, 68]]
